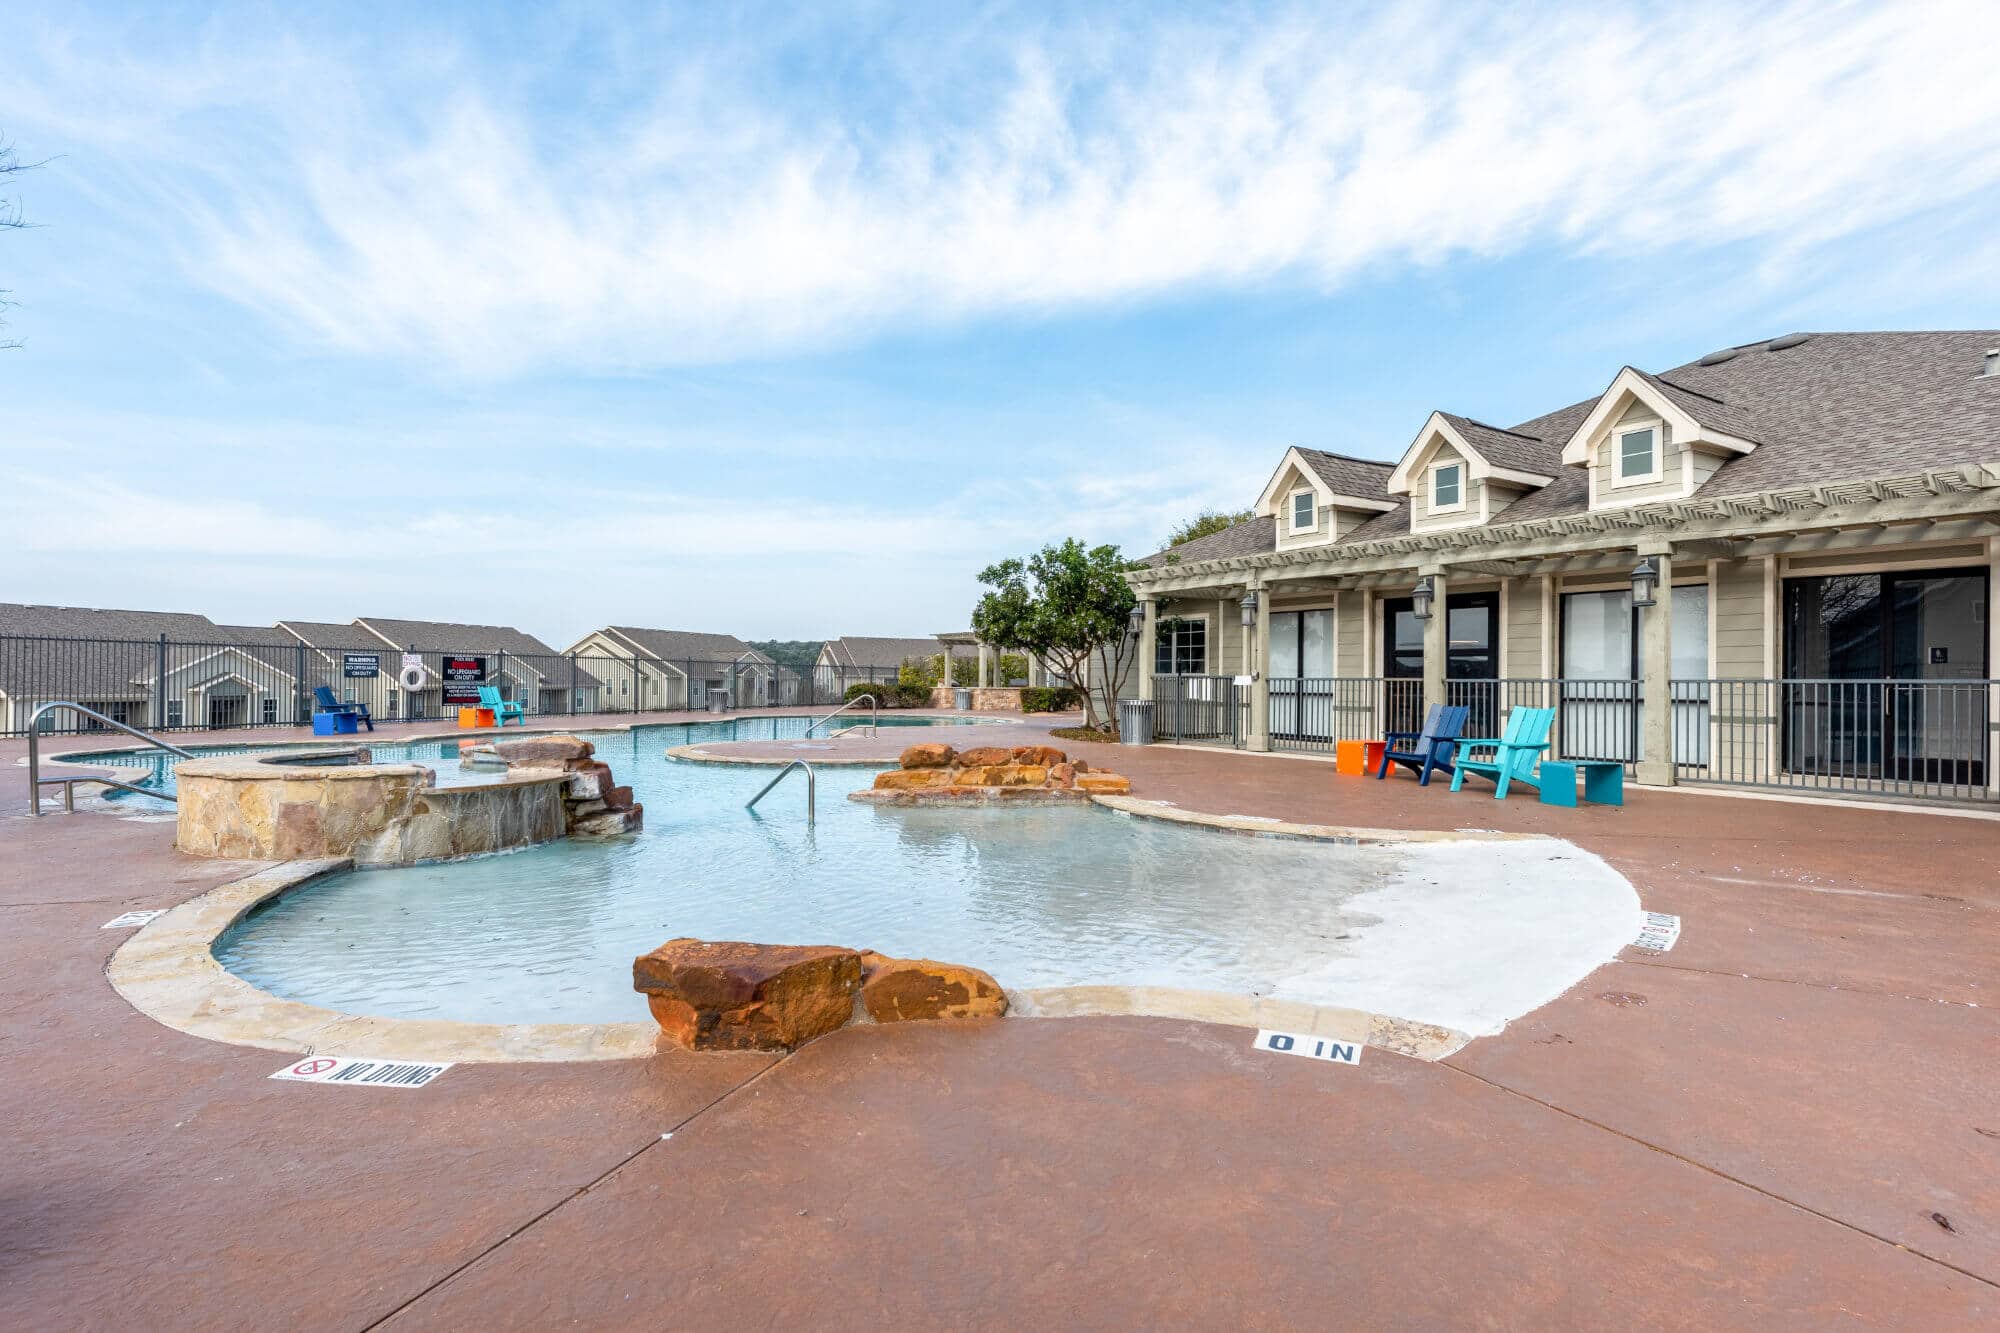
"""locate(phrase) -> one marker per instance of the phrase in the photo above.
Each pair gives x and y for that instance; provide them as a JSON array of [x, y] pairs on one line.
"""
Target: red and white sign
[[362, 1073]]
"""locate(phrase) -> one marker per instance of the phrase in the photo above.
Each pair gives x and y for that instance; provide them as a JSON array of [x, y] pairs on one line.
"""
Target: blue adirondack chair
[[489, 697], [1515, 753], [324, 702], [1427, 750]]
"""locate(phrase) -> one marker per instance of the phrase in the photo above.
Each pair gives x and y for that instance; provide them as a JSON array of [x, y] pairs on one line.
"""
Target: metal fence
[[1315, 713], [1916, 738], [271, 681], [1212, 709]]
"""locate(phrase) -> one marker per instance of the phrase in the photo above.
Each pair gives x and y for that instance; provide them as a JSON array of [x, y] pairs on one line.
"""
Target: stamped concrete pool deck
[[1792, 1120]]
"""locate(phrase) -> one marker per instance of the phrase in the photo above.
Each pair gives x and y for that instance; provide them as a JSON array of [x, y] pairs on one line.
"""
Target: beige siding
[[1738, 609], [1323, 529], [1421, 517], [1524, 629], [1347, 637]]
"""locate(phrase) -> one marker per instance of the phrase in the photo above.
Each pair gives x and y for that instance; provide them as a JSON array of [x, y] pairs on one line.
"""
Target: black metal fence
[[1212, 709], [276, 680]]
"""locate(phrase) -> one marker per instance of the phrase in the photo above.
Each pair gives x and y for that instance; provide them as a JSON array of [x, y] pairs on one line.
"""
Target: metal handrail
[[36, 781], [811, 787], [874, 714]]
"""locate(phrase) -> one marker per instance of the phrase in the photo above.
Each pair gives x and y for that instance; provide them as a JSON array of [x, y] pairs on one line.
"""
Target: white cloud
[[690, 205]]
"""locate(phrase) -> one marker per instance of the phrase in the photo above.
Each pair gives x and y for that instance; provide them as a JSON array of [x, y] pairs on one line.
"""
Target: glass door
[[1301, 675]]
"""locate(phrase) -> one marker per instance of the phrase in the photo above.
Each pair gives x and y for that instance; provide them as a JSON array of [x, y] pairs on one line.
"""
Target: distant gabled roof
[[446, 636], [1253, 536]]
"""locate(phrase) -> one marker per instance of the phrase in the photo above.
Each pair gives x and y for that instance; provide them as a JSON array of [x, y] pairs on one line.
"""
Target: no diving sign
[[362, 1073], [1312, 1047]]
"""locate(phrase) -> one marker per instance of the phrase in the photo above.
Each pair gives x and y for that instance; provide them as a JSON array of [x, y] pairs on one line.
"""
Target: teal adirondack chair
[[489, 697], [1515, 754]]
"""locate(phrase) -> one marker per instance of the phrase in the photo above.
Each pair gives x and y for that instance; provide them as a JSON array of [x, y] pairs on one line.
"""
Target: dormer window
[[1302, 511], [1636, 454], [1448, 486]]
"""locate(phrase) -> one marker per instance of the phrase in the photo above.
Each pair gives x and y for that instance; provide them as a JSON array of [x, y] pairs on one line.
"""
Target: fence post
[[500, 674], [160, 685], [574, 707], [299, 682]]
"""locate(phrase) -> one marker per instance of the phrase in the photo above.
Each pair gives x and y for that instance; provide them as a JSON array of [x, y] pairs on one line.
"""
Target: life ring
[[412, 678]]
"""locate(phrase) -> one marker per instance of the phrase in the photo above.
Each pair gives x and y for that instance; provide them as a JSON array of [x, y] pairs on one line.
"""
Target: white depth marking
[[1310, 1046], [130, 919], [1659, 933], [362, 1073]]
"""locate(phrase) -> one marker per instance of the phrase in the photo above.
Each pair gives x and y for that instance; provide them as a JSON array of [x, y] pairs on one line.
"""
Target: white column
[[1992, 667], [985, 664], [1656, 664], [1259, 737], [1436, 639], [1147, 635]]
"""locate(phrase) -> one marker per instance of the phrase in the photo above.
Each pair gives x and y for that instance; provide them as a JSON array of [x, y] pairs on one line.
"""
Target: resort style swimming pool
[[1039, 897], [441, 753]]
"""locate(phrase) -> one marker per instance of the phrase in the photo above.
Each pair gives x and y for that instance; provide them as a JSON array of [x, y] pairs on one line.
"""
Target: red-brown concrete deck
[[1790, 1121]]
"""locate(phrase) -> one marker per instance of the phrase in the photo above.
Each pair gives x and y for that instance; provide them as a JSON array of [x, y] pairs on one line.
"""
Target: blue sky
[[732, 318]]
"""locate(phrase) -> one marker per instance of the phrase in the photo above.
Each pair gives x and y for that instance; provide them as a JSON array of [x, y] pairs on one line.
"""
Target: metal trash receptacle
[[962, 699], [1135, 721]]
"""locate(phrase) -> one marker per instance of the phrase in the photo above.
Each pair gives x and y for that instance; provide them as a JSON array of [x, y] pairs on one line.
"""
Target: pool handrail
[[811, 787], [36, 781], [874, 715]]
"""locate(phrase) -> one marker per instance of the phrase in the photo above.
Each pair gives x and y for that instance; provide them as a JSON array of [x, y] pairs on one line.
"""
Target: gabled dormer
[[1316, 498], [1648, 440], [1459, 472]]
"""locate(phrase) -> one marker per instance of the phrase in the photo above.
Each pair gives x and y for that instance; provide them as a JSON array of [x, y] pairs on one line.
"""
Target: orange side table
[[1372, 756], [475, 717], [1349, 758]]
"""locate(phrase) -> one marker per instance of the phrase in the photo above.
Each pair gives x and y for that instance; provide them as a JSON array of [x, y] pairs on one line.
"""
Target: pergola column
[[1656, 664], [1437, 639], [985, 664], [1148, 634], [1259, 737]]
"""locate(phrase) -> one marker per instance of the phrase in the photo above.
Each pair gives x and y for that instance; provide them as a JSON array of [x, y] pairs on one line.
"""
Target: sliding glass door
[[1301, 675]]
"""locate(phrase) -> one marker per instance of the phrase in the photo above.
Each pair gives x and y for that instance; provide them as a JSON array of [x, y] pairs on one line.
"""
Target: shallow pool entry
[[1038, 897]]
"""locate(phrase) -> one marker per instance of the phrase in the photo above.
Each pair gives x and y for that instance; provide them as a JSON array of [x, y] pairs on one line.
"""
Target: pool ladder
[[36, 781], [874, 715], [810, 786]]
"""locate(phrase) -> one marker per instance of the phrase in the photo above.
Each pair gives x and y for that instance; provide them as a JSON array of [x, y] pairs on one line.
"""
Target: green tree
[[1207, 523], [1068, 605]]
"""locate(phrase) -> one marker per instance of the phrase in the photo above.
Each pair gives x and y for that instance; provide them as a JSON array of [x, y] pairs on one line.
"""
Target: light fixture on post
[[1645, 582], [1136, 622], [1420, 598], [1249, 605]]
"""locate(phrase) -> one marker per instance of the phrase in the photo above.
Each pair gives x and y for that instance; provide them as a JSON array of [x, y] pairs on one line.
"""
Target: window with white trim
[[173, 712], [270, 710], [1637, 456], [1303, 518], [1180, 648], [1448, 486]]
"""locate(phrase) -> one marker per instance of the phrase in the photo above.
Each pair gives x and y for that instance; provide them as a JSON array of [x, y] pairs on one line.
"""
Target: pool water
[[442, 753], [1038, 897]]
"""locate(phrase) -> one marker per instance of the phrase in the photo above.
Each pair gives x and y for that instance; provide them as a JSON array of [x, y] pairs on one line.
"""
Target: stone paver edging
[[1278, 828], [695, 754]]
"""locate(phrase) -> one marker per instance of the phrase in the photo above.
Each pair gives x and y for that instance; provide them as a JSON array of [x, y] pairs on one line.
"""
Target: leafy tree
[[798, 654], [1207, 523], [1067, 604]]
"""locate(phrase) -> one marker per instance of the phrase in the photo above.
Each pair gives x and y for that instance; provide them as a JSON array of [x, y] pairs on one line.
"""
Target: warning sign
[[1312, 1047], [362, 1073], [130, 919], [1659, 933]]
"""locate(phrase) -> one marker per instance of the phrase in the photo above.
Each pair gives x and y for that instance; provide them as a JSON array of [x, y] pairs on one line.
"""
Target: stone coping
[[1277, 828], [695, 754], [168, 971]]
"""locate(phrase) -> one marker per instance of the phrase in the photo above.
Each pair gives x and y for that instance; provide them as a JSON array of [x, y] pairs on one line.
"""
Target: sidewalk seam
[[577, 1193]]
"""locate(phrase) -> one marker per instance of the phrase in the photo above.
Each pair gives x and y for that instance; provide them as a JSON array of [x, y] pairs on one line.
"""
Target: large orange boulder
[[543, 751], [720, 995], [1104, 784], [1041, 756], [906, 779], [931, 754], [985, 756], [898, 990]]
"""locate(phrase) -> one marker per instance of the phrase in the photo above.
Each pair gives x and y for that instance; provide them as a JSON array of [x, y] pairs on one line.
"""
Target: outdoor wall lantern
[[1645, 579], [1420, 598], [1249, 605], [1137, 620]]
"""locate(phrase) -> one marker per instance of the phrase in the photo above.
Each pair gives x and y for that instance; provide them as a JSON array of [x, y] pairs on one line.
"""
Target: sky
[[785, 321]]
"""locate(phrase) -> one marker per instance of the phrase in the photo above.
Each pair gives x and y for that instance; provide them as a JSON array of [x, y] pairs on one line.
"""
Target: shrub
[[1051, 699], [884, 694], [1099, 734], [913, 696]]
